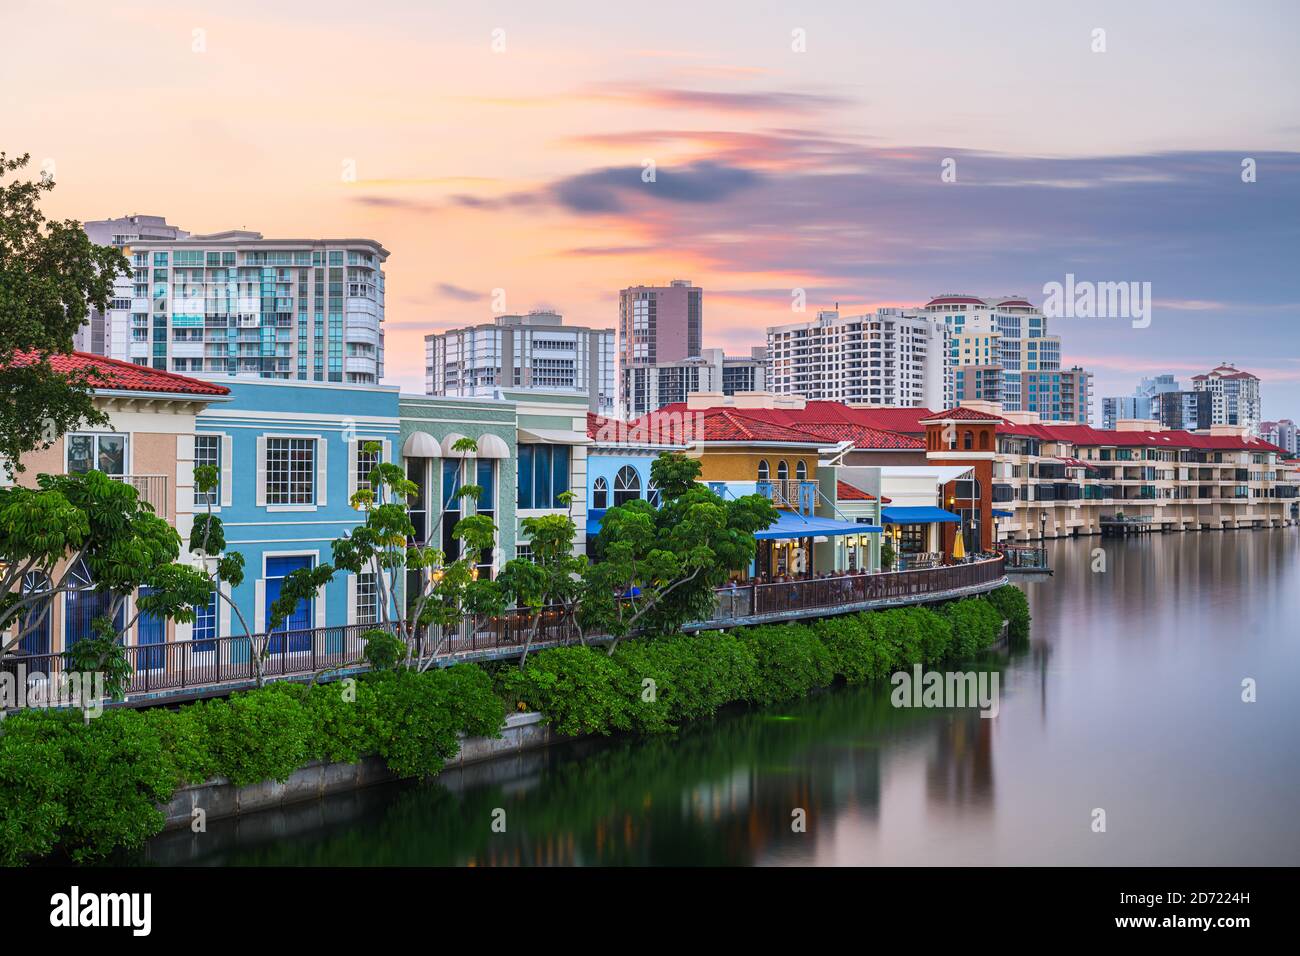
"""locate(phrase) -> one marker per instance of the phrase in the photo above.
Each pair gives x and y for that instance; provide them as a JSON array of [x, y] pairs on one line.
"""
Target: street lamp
[[1042, 525]]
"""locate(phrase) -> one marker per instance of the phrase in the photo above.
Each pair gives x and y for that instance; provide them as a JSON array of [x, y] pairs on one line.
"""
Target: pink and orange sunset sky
[[513, 159]]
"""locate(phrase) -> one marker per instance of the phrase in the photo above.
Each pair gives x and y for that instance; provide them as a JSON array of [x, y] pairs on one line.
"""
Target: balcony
[[151, 489]]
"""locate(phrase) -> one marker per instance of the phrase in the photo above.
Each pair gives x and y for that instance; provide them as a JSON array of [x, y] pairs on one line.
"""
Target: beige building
[[147, 443]]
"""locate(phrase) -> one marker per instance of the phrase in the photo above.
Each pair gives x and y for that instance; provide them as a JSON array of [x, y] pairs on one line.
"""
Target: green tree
[[50, 276], [96, 526], [659, 566], [442, 594], [551, 578]]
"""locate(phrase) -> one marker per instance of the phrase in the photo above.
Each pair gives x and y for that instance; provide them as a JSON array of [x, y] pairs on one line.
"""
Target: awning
[[998, 513], [917, 515], [492, 446], [594, 517], [421, 445], [1073, 462], [553, 436], [791, 525], [449, 442]]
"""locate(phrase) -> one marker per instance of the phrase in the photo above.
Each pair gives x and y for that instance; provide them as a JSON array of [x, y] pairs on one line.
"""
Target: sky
[[866, 153]]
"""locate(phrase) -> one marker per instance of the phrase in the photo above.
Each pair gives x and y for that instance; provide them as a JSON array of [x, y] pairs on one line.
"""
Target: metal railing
[[153, 489], [211, 663]]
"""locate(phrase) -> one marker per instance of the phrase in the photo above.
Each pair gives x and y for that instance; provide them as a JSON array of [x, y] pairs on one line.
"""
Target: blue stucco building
[[290, 456]]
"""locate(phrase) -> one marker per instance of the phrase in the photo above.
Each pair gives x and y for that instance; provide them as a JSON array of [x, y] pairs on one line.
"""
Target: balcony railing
[[213, 664], [153, 489]]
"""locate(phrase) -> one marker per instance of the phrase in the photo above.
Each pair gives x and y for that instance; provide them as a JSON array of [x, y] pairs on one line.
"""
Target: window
[[968, 440], [652, 494], [291, 471], [524, 552], [105, 452], [451, 481], [205, 626], [627, 486], [365, 463], [543, 475], [486, 479], [763, 471], [207, 451], [801, 470], [782, 471], [600, 494], [367, 599]]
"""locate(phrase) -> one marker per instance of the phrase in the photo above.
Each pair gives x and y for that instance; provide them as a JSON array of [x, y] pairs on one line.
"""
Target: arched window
[[763, 472], [801, 470], [984, 439], [968, 440], [36, 621], [627, 486], [782, 470], [652, 494], [600, 493]]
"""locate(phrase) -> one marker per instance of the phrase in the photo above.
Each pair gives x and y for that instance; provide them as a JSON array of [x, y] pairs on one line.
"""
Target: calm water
[[1128, 698]]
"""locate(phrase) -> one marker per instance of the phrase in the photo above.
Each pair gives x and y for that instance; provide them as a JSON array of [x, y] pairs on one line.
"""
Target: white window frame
[[96, 435]]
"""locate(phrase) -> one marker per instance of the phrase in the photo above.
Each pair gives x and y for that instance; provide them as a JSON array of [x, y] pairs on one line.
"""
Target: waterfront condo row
[[857, 489]]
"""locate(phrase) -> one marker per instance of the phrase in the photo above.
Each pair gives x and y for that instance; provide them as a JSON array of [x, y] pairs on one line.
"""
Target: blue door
[[150, 632], [300, 621]]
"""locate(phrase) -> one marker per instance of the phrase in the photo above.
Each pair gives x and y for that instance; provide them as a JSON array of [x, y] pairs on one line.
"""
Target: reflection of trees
[[959, 773], [720, 793]]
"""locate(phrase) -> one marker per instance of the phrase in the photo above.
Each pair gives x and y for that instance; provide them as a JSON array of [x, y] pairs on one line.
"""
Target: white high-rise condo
[[236, 303], [889, 357], [534, 352], [1235, 398]]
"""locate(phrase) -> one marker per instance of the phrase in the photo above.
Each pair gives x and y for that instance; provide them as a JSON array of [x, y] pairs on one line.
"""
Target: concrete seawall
[[220, 799]]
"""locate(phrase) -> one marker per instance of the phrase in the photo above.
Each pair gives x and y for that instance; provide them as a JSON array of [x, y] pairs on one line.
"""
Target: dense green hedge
[[658, 684], [87, 788]]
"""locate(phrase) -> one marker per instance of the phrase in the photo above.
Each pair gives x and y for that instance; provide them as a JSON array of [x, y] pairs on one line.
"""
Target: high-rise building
[[1235, 396], [657, 324], [1076, 395], [1144, 403], [1009, 333], [536, 352], [96, 335], [1186, 410], [653, 386], [237, 303], [1281, 433], [889, 357]]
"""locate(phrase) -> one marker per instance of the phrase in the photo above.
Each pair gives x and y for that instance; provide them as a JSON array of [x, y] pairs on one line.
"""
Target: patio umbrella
[[958, 548]]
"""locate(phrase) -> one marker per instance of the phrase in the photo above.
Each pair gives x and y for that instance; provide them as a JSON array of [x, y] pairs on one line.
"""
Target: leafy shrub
[[857, 648], [122, 773], [184, 736], [258, 735], [384, 651], [975, 625], [1012, 604], [34, 784], [791, 661], [579, 689]]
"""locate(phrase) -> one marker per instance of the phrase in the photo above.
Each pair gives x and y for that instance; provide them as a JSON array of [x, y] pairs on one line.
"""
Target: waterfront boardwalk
[[183, 670]]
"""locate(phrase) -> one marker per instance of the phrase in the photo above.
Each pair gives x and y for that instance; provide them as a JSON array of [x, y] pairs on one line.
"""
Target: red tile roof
[[114, 375], [818, 422], [906, 420], [956, 300], [962, 414], [1086, 435], [847, 492]]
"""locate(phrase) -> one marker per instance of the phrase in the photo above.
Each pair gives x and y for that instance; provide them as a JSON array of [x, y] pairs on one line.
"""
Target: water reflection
[[1126, 698]]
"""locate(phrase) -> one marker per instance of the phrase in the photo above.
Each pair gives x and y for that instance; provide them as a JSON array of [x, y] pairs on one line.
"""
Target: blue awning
[[917, 515], [594, 516], [791, 525], [998, 513]]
